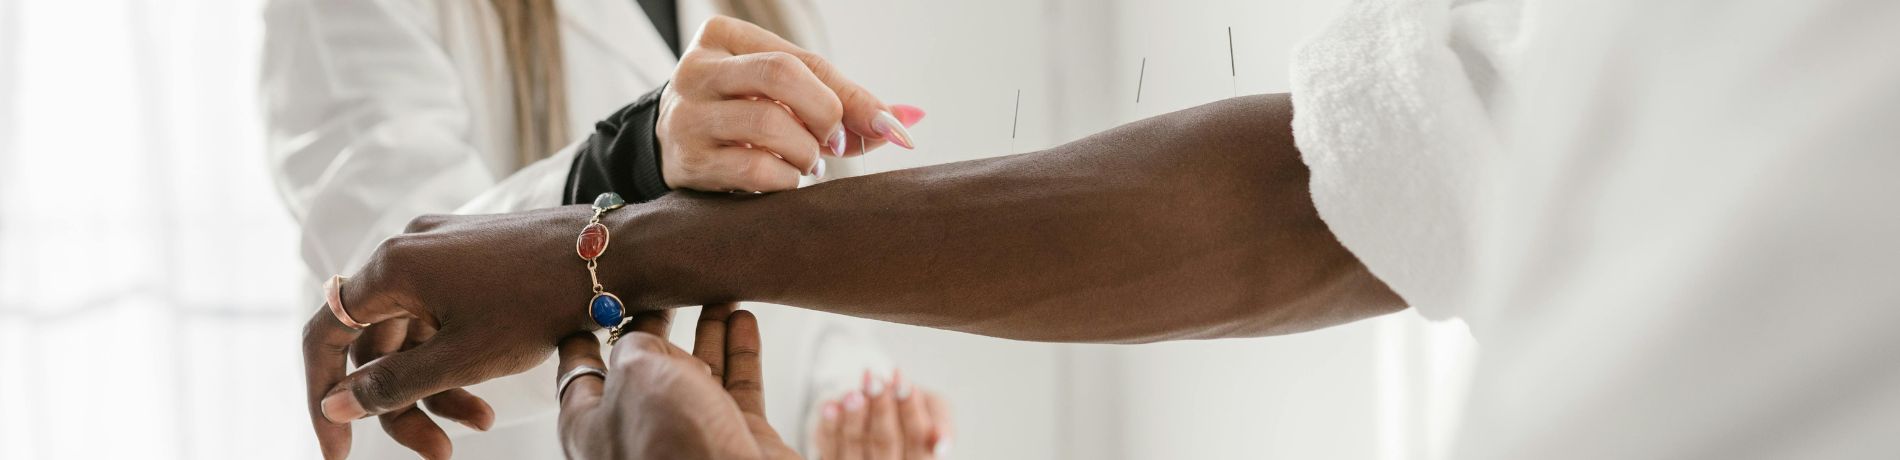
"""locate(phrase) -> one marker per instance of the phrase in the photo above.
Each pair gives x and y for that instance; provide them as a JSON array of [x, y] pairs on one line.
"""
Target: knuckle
[[693, 163], [764, 178], [720, 23], [692, 70], [745, 385], [780, 68], [424, 223], [395, 255], [638, 343], [742, 353], [759, 118], [377, 388], [852, 96]]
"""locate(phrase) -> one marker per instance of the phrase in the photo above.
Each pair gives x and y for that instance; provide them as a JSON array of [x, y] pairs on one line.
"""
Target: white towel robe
[[1671, 225], [382, 110]]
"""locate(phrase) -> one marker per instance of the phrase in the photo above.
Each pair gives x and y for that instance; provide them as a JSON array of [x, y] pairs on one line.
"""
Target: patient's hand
[[455, 301], [657, 401], [885, 421]]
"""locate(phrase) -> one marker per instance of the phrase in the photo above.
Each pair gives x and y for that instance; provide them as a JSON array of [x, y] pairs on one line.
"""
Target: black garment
[[666, 19], [622, 156]]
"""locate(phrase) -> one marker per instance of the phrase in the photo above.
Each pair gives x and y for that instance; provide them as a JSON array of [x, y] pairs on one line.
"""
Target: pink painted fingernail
[[875, 388], [831, 411], [836, 141], [908, 114], [892, 130], [341, 407], [854, 402]]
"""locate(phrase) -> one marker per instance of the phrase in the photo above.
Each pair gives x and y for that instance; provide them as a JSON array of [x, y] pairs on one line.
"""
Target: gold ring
[[333, 295]]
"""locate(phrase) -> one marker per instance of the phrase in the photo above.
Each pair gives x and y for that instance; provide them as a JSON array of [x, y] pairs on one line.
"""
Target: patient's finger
[[584, 393], [655, 322], [400, 379], [455, 404], [709, 338], [408, 426], [419, 331], [745, 370], [368, 297], [412, 428], [463, 407], [325, 344], [379, 339]]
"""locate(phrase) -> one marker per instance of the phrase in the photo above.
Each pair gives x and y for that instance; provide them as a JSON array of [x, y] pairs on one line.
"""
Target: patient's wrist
[[664, 259]]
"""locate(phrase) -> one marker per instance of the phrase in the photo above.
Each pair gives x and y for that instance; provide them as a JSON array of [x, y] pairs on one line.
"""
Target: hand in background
[[749, 111], [881, 421], [658, 401]]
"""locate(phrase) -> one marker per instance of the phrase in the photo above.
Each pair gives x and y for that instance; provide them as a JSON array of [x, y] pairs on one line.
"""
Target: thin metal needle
[[1141, 79]]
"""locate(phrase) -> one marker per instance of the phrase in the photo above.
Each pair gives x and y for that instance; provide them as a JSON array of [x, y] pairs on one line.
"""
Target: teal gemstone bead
[[608, 201]]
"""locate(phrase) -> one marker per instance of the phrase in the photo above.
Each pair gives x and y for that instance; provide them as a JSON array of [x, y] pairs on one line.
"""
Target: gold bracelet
[[605, 308]]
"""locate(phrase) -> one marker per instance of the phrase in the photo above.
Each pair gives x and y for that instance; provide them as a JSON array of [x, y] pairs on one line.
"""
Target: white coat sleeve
[[367, 125], [368, 128], [1392, 114]]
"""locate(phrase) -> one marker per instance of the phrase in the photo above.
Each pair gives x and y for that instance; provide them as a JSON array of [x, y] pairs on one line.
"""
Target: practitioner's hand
[[455, 301], [749, 111], [657, 401], [883, 421]]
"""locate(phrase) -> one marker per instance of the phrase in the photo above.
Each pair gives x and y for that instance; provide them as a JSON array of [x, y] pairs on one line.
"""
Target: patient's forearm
[[1193, 224]]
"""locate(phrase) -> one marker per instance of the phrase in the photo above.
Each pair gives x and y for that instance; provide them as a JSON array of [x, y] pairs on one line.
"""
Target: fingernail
[[466, 423], [907, 114], [854, 402], [892, 130], [942, 450], [901, 384], [342, 407], [875, 388], [836, 141], [831, 411], [819, 169]]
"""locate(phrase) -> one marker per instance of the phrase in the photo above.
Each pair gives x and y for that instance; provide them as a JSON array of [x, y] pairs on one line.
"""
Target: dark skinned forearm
[[1194, 224]]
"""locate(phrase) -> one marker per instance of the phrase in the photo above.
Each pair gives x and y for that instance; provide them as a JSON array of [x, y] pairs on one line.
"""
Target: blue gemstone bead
[[607, 310]]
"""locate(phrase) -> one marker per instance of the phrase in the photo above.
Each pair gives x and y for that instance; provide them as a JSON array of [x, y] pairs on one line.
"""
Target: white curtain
[[150, 298]]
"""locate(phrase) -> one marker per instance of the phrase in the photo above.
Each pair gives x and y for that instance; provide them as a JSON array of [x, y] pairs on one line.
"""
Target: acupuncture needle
[[1139, 79]]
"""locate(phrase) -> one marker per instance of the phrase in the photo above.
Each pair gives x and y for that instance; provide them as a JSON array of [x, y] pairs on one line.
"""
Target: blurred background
[[151, 294]]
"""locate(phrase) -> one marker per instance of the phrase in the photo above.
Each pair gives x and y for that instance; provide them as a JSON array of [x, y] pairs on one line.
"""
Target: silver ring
[[560, 389]]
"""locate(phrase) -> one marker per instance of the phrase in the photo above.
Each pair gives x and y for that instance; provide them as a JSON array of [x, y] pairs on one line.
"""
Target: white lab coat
[[383, 110]]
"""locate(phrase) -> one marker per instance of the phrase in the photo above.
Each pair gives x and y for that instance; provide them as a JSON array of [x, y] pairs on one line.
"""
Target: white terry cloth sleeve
[[1392, 113]]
